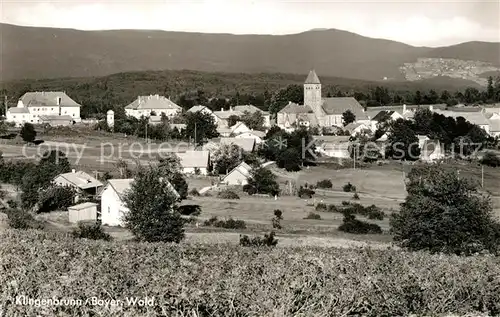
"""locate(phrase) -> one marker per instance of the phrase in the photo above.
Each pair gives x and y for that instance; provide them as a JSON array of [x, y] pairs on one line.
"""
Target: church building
[[318, 111]]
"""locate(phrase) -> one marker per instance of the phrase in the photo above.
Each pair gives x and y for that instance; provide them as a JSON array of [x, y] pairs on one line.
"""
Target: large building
[[152, 105], [45, 107], [318, 111]]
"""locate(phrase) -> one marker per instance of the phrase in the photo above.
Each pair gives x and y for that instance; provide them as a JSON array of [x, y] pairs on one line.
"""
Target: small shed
[[82, 212]]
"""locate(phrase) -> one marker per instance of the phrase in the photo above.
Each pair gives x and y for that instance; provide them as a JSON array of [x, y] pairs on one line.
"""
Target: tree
[[445, 213], [170, 168], [152, 214], [290, 160], [232, 120], [200, 126], [254, 121], [123, 168], [348, 117], [55, 197], [292, 93], [403, 142], [490, 90], [28, 133], [225, 157], [263, 181]]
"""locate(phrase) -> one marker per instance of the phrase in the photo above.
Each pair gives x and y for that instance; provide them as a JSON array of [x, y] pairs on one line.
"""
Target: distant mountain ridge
[[34, 52]]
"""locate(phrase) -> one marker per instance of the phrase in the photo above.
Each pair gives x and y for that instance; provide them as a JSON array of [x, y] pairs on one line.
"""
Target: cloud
[[412, 22]]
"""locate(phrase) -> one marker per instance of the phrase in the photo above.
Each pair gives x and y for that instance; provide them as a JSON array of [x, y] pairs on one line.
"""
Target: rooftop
[[80, 179], [198, 159], [338, 105], [312, 78], [152, 102], [48, 99]]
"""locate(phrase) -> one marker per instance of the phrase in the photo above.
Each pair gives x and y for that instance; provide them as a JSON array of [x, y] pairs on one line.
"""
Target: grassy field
[[224, 280]]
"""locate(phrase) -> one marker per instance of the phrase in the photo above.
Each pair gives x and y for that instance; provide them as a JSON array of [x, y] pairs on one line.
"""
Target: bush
[[355, 196], [189, 210], [20, 219], [91, 231], [445, 213], [55, 198], [321, 207], [490, 159], [276, 221], [194, 192], [268, 240], [332, 208], [227, 224], [312, 215], [353, 225], [349, 188], [227, 194], [249, 189], [305, 192], [326, 183], [374, 212], [28, 133]]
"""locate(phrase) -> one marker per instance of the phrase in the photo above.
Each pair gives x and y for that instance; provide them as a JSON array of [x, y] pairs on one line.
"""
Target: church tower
[[312, 94]]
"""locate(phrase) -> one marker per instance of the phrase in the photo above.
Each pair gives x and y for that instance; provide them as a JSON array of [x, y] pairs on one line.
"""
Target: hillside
[[32, 52]]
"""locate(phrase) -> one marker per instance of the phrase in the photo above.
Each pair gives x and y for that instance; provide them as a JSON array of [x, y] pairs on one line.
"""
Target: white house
[[356, 128], [239, 175], [247, 144], [239, 128], [258, 136], [332, 145], [152, 105], [385, 116], [112, 206], [432, 151], [252, 109], [83, 183], [44, 107], [193, 161], [203, 109]]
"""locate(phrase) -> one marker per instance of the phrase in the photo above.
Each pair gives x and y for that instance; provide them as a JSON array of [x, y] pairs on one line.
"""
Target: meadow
[[225, 280]]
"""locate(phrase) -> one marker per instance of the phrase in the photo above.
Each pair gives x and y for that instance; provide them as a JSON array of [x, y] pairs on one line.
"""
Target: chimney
[[222, 109], [431, 108], [73, 171], [404, 108], [58, 100], [230, 108]]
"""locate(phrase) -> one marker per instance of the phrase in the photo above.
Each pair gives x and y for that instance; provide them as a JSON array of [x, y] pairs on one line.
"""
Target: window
[[51, 108], [109, 209]]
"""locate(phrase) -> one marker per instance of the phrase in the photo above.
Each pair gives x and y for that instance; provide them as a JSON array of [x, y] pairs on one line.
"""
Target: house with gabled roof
[[258, 136], [193, 162], [432, 151], [152, 105], [44, 107], [238, 175], [319, 111], [81, 182], [113, 207]]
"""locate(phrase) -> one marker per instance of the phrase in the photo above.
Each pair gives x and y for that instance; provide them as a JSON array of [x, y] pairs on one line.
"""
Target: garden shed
[[82, 212]]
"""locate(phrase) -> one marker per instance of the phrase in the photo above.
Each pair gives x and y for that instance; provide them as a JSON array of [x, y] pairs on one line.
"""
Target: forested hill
[[35, 52]]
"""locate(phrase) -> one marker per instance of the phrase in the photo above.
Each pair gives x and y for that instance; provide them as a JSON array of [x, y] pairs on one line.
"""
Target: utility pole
[[146, 132], [195, 134], [482, 176]]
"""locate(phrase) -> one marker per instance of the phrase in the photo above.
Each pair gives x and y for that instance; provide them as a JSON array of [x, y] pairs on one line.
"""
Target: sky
[[417, 22]]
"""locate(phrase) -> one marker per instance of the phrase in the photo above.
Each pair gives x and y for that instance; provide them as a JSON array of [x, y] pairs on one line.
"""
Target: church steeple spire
[[312, 78]]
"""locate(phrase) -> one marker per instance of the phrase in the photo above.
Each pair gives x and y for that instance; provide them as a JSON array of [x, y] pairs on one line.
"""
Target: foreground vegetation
[[223, 280]]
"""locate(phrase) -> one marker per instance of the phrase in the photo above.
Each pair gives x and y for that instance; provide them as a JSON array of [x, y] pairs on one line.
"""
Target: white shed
[[239, 175], [82, 212]]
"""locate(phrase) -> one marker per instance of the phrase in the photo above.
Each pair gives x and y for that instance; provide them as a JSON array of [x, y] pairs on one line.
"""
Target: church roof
[[337, 106], [295, 108], [312, 78]]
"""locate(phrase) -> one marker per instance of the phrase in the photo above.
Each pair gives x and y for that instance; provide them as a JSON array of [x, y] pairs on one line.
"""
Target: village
[[100, 198]]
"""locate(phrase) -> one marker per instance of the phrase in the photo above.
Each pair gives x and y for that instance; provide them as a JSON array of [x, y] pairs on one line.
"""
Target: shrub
[[374, 212], [355, 196], [194, 192], [263, 181], [268, 240], [345, 203], [312, 215], [305, 192], [352, 225], [55, 198], [445, 213], [227, 194], [349, 188], [91, 231], [490, 159], [326, 183], [226, 224], [189, 210], [249, 189], [20, 219], [321, 207], [332, 208], [276, 221], [28, 133]]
